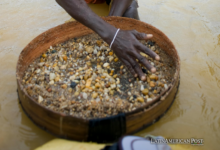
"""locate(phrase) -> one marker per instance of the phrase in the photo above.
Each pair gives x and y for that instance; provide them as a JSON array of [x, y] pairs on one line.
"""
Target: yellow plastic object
[[99, 9], [60, 144], [184, 147]]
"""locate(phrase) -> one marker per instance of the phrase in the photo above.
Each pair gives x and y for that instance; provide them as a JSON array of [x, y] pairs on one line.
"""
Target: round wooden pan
[[79, 129]]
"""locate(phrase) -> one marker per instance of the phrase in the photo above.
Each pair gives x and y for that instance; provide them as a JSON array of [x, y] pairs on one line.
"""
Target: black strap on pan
[[107, 129]]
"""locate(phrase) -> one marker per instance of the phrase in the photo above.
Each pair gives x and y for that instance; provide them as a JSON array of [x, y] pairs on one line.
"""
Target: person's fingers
[[147, 51], [144, 61], [141, 47], [137, 69], [129, 67], [142, 36]]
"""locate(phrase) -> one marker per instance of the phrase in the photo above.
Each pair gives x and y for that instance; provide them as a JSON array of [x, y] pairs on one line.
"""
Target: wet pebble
[[140, 99], [106, 65], [145, 91], [89, 49], [53, 51], [94, 95], [52, 76], [40, 99], [152, 84], [73, 84]]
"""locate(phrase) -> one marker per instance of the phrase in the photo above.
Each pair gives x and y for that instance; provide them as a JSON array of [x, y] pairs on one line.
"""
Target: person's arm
[[119, 7], [126, 45], [80, 11]]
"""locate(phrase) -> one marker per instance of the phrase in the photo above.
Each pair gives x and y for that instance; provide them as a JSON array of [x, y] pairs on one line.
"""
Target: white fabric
[[139, 143]]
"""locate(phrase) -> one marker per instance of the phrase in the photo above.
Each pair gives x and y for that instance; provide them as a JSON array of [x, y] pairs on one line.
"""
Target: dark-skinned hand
[[127, 47]]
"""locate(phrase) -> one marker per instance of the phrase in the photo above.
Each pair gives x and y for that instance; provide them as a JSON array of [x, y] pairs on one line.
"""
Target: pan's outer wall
[[75, 128]]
